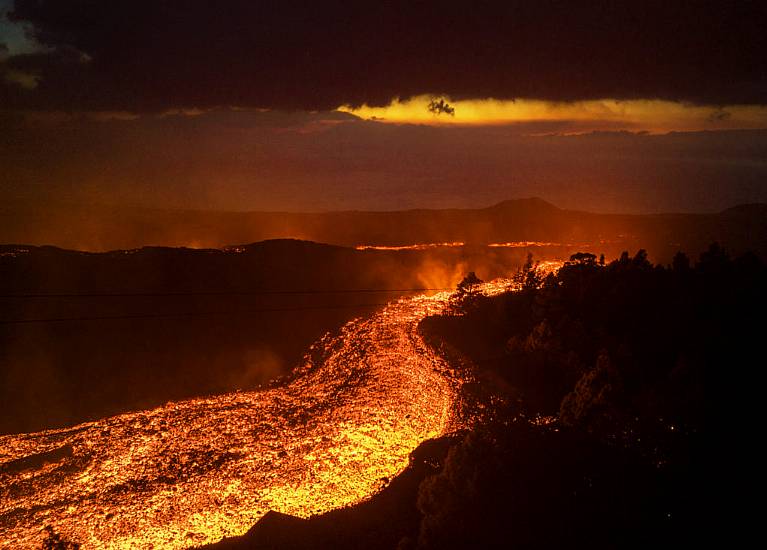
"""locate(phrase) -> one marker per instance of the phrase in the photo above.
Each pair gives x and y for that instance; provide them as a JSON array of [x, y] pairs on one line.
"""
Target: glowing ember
[[548, 266]]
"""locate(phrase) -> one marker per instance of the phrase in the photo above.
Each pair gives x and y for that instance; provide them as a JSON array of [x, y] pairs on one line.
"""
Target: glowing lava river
[[194, 471]]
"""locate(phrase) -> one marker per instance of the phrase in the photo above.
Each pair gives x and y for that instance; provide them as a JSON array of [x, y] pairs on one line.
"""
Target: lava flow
[[194, 471]]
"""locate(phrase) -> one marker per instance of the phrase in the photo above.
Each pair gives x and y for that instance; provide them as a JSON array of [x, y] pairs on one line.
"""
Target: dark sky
[[151, 55], [232, 104]]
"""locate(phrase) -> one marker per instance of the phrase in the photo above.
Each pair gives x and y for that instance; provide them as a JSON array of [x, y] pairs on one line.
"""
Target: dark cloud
[[149, 55]]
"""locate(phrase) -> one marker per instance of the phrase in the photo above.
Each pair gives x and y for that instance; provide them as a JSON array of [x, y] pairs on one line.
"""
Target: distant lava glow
[[420, 246], [458, 244], [193, 472], [523, 244]]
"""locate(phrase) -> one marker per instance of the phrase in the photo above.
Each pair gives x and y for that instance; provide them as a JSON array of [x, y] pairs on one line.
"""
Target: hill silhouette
[[105, 228]]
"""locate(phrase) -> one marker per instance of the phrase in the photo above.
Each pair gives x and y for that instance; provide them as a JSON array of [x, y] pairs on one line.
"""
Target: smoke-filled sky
[[284, 105]]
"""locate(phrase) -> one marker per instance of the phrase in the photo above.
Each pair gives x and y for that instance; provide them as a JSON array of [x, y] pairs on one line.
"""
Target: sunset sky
[[287, 106]]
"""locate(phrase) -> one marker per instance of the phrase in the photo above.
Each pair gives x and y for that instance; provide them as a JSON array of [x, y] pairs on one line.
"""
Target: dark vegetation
[[605, 345], [629, 364], [617, 413]]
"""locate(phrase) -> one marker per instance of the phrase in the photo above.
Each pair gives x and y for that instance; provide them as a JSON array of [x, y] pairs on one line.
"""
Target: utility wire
[[186, 314], [217, 293]]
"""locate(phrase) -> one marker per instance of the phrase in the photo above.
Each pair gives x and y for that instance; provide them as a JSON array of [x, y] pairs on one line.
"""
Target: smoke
[[256, 367], [436, 273], [32, 380]]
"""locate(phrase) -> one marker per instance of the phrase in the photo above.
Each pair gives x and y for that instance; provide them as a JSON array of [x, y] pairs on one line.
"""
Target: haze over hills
[[83, 227], [132, 329]]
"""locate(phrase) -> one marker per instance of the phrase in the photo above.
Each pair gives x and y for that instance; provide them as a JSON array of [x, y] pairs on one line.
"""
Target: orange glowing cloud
[[654, 116]]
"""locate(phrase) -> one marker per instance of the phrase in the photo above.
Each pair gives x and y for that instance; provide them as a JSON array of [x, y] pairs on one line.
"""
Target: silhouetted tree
[[539, 339], [640, 259], [528, 276], [466, 294], [441, 107], [680, 263], [624, 259], [594, 394], [583, 258], [528, 265], [469, 285], [713, 261]]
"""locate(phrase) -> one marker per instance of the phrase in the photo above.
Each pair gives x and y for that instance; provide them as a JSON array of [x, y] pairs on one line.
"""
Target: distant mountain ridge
[[78, 227]]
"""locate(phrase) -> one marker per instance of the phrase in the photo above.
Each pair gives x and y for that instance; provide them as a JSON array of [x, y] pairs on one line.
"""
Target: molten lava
[[419, 246], [523, 244], [195, 471]]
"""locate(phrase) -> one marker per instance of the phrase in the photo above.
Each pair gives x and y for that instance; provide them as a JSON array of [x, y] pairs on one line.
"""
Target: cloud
[[143, 55]]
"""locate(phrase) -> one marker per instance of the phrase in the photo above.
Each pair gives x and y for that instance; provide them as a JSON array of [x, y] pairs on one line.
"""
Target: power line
[[217, 293], [185, 314]]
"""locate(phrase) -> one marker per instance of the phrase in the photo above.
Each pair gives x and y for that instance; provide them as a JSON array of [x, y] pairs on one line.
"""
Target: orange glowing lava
[[195, 471], [522, 244]]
